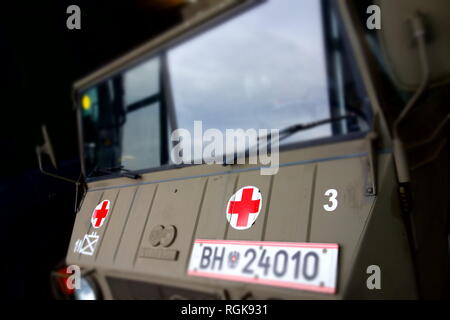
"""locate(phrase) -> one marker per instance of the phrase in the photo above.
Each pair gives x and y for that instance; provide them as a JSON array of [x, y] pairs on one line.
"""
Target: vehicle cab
[[151, 227]]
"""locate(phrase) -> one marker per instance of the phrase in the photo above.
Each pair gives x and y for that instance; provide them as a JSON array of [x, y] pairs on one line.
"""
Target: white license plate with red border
[[302, 266]]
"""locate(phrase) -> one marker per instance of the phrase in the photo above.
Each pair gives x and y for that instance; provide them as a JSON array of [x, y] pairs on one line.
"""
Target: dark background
[[39, 61]]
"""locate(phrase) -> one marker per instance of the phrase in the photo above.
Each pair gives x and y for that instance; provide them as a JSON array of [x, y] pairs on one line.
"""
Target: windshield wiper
[[289, 131], [119, 170]]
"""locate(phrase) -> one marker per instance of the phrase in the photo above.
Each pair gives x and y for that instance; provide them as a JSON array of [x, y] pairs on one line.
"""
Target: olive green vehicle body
[[368, 224]]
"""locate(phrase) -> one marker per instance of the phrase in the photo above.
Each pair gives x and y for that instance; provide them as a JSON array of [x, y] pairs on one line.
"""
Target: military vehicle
[[359, 206]]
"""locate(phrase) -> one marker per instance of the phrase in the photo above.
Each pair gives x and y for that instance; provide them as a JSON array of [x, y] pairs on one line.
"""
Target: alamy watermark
[[234, 146], [374, 21], [374, 280], [74, 20], [73, 281]]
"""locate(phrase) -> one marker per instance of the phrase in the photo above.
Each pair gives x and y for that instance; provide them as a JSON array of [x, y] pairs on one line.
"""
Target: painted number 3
[[332, 194]]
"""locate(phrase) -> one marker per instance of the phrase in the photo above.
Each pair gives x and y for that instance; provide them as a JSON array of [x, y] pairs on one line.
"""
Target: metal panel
[[196, 205], [113, 235], [291, 201], [212, 222], [110, 195], [176, 203], [82, 223], [134, 226], [345, 224]]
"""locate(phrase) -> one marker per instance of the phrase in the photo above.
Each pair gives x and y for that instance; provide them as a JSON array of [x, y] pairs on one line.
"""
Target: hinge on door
[[371, 183], [371, 138]]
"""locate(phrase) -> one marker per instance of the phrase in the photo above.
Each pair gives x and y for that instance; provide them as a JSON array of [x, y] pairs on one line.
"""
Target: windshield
[[283, 62]]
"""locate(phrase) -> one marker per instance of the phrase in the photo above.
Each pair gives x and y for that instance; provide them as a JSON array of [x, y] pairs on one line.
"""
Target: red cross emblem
[[100, 213], [244, 207]]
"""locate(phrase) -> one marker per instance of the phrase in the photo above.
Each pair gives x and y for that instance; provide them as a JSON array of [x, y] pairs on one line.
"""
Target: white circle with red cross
[[244, 207], [100, 213]]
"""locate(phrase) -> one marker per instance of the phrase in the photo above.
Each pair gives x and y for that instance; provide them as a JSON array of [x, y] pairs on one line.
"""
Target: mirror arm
[[39, 157]]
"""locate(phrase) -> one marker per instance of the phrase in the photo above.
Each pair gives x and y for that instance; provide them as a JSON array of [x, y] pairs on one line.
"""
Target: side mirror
[[47, 149]]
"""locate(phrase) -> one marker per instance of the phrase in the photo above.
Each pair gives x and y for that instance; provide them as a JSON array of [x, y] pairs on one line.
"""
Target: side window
[[142, 82], [141, 134], [141, 138], [122, 124]]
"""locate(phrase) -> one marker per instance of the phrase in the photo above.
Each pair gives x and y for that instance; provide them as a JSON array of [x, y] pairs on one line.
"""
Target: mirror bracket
[[46, 148], [39, 152]]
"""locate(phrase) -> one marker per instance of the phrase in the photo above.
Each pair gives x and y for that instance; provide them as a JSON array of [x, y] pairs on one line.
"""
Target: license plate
[[302, 266]]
